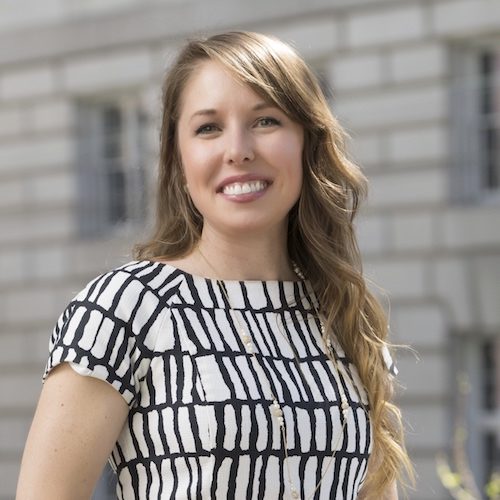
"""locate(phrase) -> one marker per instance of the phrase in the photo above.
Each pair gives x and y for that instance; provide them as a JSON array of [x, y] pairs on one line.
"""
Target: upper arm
[[76, 424]]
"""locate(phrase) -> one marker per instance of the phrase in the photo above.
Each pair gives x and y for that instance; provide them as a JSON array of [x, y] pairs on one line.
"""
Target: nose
[[239, 147]]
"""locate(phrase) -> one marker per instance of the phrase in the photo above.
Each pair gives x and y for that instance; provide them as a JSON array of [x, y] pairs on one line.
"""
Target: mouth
[[239, 188]]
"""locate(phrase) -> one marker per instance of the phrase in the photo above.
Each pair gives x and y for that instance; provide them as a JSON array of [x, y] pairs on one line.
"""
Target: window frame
[[95, 193], [480, 421], [465, 115]]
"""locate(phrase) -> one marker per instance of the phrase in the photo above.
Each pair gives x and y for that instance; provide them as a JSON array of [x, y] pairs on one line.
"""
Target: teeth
[[244, 187]]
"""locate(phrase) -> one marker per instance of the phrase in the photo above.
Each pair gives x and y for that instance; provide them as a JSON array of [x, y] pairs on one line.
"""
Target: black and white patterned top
[[199, 425]]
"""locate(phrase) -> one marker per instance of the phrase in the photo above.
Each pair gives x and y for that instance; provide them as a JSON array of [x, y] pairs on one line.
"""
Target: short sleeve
[[108, 331]]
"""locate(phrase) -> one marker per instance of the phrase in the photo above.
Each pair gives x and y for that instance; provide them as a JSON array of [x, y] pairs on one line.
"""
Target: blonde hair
[[321, 236]]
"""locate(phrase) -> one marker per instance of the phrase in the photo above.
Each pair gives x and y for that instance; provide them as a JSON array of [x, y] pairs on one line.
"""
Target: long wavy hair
[[321, 237]]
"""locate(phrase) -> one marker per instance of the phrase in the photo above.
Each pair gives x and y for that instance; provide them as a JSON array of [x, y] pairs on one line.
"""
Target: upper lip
[[241, 178]]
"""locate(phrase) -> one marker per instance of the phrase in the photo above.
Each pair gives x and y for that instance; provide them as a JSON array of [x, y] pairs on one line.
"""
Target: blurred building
[[416, 83]]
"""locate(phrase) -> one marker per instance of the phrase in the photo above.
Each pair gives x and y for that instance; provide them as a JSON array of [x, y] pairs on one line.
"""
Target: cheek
[[194, 164], [198, 159], [299, 179], [283, 150], [292, 158], [296, 164]]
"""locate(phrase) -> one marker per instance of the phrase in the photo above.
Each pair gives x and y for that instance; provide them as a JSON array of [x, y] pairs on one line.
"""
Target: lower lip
[[246, 197]]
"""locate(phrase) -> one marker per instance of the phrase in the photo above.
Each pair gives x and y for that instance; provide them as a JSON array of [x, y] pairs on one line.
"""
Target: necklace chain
[[275, 407]]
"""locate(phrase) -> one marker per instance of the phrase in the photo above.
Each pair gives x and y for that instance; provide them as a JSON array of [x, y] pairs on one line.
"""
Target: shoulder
[[110, 329], [135, 296], [128, 284]]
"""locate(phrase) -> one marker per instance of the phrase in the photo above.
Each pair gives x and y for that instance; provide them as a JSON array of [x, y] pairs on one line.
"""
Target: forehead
[[211, 84]]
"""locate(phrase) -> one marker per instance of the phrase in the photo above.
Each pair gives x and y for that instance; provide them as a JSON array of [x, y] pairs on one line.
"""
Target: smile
[[237, 188]]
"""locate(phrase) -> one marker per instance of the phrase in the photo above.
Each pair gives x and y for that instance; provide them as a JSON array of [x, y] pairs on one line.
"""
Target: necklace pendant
[[276, 410], [344, 404]]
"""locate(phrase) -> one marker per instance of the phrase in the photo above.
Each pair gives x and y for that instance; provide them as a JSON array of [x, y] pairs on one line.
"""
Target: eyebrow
[[211, 111]]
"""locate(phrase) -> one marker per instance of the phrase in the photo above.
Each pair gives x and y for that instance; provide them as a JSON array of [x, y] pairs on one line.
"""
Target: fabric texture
[[199, 425]]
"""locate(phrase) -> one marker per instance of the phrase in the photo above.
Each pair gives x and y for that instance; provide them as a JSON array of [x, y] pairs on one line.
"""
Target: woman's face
[[241, 156]]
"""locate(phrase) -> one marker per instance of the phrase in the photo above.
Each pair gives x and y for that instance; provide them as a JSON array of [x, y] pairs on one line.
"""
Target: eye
[[268, 121], [207, 128]]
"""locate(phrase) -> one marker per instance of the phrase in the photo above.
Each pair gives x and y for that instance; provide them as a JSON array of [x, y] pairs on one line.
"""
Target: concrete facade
[[389, 65]]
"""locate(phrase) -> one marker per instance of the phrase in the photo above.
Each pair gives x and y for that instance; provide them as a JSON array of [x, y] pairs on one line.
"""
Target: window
[[475, 115], [478, 359], [489, 421], [489, 71], [111, 157]]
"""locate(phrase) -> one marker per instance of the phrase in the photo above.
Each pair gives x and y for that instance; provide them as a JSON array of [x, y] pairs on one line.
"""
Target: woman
[[241, 356]]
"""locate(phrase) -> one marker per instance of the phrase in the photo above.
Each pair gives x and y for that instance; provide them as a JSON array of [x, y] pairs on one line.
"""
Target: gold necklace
[[331, 351], [275, 407]]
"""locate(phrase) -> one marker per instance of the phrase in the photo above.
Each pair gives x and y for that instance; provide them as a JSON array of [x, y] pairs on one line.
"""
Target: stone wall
[[388, 62]]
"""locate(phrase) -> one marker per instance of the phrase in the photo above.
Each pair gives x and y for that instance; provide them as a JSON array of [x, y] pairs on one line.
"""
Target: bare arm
[[76, 424]]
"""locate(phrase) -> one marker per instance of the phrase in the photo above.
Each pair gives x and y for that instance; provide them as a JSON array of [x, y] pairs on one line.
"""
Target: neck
[[244, 258]]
